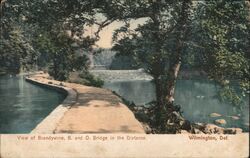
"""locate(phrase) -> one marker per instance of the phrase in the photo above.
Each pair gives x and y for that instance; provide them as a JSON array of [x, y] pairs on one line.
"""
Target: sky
[[106, 35], [107, 32]]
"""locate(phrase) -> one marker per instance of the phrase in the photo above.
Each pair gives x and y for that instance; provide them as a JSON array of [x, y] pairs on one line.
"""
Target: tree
[[157, 44], [61, 34], [223, 39], [56, 31], [161, 43], [16, 49], [209, 31]]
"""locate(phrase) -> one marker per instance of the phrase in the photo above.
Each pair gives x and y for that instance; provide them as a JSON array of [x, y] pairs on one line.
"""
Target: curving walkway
[[90, 110]]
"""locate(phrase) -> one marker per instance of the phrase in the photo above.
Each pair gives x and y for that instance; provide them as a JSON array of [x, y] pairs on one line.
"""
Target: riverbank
[[180, 125], [89, 110], [198, 98]]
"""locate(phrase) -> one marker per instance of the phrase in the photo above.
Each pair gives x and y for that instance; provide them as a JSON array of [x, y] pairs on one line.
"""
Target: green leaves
[[225, 44], [231, 96], [16, 51]]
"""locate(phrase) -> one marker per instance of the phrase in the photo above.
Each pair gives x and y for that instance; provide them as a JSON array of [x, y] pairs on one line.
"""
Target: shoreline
[[85, 110], [144, 115], [49, 123]]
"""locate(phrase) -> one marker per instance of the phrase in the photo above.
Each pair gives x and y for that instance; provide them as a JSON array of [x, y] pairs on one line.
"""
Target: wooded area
[[209, 35]]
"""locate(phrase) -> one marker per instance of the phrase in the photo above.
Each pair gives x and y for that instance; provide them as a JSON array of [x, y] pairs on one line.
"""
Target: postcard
[[122, 78]]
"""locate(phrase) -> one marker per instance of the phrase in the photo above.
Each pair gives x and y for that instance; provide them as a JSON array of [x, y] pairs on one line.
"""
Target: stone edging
[[49, 123]]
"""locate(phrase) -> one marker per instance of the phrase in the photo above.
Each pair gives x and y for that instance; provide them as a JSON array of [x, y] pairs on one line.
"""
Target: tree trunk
[[160, 104], [175, 62], [159, 92], [172, 77]]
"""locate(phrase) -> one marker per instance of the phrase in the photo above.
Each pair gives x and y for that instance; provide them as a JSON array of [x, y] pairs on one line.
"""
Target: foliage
[[90, 80], [205, 34], [157, 44], [56, 32], [216, 40], [57, 50], [223, 39], [16, 49]]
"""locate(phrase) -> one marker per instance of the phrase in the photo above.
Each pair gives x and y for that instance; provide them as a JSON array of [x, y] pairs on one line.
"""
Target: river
[[24, 105], [197, 98]]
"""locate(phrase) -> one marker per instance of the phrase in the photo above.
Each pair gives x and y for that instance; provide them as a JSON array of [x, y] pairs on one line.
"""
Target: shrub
[[90, 80], [60, 75]]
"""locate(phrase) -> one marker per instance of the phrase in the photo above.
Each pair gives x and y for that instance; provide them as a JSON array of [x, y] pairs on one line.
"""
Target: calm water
[[196, 97], [24, 105]]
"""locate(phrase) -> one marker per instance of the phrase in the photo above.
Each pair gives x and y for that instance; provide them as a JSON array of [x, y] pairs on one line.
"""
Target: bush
[[60, 75], [90, 80]]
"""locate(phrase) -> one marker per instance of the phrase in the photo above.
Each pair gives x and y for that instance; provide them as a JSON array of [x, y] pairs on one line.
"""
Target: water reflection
[[196, 97], [23, 105], [198, 100]]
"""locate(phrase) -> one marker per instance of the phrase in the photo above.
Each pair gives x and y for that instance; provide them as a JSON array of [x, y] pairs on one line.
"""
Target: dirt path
[[96, 110]]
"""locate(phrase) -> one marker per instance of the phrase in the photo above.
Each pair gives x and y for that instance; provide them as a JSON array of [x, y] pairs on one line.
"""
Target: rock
[[220, 121], [233, 131], [215, 115], [146, 128], [200, 124], [50, 82], [234, 117], [197, 131], [213, 129], [140, 108], [141, 70], [238, 130]]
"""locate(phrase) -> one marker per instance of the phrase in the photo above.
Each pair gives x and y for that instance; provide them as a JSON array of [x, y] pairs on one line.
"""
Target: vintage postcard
[[124, 78]]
